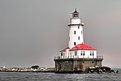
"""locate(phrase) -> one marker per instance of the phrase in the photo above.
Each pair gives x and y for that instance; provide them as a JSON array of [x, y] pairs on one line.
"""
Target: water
[[28, 76]]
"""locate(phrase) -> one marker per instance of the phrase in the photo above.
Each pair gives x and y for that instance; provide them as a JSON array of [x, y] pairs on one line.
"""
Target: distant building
[[78, 56]]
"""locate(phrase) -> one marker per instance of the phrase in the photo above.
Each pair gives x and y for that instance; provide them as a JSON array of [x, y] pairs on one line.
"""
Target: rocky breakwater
[[103, 69]]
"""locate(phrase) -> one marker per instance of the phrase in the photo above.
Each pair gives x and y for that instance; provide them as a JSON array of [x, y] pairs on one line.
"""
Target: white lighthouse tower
[[76, 30], [77, 56]]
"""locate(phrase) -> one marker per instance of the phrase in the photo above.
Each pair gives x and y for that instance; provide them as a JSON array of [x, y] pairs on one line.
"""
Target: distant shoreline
[[29, 71]]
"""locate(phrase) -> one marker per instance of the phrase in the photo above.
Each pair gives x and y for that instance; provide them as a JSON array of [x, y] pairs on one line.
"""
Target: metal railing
[[62, 57], [100, 57]]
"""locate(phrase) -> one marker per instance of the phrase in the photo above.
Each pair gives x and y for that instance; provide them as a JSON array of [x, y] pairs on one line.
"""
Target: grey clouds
[[34, 31]]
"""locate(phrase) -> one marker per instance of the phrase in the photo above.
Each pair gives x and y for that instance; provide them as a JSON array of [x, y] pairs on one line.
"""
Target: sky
[[32, 32]]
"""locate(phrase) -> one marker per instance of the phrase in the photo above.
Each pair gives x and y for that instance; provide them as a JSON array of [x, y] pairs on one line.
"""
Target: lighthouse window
[[81, 52], [91, 53], [61, 54], [75, 15], [74, 32], [74, 43], [81, 32], [78, 27], [75, 53], [78, 37]]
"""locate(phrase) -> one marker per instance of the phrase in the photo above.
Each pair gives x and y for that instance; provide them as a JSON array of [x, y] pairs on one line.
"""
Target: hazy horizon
[[32, 32]]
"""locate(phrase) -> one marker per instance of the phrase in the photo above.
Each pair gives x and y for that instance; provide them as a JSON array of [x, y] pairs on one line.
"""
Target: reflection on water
[[19, 76]]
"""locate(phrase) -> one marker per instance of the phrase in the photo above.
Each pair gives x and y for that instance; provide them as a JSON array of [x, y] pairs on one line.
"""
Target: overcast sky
[[34, 31]]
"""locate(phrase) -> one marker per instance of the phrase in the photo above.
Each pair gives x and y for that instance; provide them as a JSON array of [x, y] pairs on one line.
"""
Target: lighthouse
[[77, 56], [76, 30]]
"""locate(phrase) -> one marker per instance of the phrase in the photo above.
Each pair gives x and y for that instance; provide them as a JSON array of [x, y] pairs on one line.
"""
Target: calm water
[[17, 76]]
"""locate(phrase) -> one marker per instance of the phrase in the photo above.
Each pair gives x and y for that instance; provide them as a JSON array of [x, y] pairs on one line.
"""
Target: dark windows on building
[[75, 53], [74, 32], [75, 15], [61, 54], [78, 27], [78, 37], [91, 53], [81, 53], [74, 43], [81, 32]]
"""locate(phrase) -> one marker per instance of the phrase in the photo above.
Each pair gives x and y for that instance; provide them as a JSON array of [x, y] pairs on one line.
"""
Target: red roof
[[82, 47], [64, 49]]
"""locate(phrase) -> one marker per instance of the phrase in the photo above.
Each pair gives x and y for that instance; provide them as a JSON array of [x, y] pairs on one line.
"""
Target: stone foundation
[[76, 64]]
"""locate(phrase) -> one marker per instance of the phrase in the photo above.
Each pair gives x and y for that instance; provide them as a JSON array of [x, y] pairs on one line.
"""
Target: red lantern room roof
[[82, 47]]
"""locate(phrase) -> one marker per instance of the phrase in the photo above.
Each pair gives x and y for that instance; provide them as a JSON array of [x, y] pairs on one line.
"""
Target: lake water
[[29, 76]]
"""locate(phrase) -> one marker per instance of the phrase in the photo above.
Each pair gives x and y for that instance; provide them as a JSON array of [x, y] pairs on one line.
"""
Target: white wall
[[71, 54], [75, 21], [87, 54], [79, 33]]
